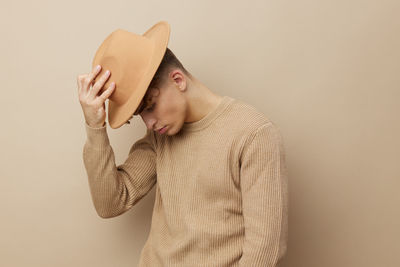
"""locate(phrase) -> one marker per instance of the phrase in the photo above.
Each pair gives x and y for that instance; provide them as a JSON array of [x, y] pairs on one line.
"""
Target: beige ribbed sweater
[[221, 188]]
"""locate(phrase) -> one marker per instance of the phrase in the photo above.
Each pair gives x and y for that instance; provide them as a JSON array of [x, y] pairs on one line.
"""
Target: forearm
[[115, 189], [107, 188]]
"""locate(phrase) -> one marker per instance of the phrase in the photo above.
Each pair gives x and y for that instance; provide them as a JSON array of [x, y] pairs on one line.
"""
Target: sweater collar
[[212, 115]]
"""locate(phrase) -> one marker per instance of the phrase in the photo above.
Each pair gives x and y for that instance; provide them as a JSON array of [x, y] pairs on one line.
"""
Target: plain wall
[[326, 72]]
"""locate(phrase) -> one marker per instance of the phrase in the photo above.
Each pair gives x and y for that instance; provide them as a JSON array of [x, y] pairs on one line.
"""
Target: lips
[[162, 129]]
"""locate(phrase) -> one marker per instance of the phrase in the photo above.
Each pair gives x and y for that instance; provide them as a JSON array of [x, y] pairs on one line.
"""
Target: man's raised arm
[[115, 189]]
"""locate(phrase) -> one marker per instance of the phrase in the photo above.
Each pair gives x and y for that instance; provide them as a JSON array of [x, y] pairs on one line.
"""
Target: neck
[[200, 101]]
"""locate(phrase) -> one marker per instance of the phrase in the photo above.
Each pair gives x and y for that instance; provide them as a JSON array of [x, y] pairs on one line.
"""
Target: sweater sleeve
[[263, 182], [115, 189]]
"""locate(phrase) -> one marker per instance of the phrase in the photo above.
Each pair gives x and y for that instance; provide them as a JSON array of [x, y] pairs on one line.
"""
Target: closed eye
[[151, 107]]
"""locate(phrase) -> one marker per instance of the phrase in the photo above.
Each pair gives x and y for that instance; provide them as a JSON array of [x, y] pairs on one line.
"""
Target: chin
[[171, 131], [168, 132]]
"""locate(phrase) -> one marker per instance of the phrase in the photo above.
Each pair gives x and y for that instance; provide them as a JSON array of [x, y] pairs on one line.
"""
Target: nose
[[148, 120]]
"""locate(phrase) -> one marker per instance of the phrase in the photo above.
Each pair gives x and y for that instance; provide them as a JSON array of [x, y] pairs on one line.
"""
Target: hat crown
[[127, 55]]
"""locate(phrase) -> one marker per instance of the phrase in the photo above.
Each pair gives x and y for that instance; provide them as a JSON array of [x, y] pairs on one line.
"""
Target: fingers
[[85, 80], [99, 84], [89, 79], [107, 92], [92, 75], [79, 83]]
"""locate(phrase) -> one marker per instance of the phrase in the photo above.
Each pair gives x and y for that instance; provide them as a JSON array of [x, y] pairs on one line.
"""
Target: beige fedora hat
[[133, 60]]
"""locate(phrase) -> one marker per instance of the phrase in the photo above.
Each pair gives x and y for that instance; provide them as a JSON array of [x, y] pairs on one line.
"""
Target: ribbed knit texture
[[221, 188]]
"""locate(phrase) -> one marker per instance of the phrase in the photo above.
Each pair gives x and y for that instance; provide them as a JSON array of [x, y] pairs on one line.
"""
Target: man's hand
[[93, 105]]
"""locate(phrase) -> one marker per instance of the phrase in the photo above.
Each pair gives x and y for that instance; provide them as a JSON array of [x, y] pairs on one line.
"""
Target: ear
[[178, 79]]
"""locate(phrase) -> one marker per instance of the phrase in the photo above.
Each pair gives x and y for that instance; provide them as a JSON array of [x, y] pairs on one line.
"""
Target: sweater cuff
[[97, 137]]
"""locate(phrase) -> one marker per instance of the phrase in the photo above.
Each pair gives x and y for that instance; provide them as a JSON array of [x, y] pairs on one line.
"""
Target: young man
[[218, 165]]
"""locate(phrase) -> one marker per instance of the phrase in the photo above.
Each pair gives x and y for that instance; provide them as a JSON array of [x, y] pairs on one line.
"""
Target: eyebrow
[[140, 108]]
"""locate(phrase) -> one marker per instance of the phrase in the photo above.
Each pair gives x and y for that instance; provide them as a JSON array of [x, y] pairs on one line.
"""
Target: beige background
[[327, 72]]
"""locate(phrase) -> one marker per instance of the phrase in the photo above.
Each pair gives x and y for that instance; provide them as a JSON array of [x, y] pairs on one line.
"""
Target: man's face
[[164, 107]]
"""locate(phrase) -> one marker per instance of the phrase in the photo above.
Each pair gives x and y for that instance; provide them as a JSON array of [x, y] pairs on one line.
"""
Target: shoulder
[[245, 118], [252, 122]]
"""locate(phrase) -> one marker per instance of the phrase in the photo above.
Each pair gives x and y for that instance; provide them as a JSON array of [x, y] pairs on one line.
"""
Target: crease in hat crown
[[132, 60]]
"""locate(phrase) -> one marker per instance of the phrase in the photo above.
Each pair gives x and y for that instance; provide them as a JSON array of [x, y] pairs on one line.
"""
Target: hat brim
[[119, 114]]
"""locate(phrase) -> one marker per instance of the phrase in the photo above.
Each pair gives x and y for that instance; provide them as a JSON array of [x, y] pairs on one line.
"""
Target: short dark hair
[[168, 62]]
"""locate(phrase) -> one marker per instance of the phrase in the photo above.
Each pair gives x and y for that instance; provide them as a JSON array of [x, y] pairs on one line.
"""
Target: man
[[218, 165]]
